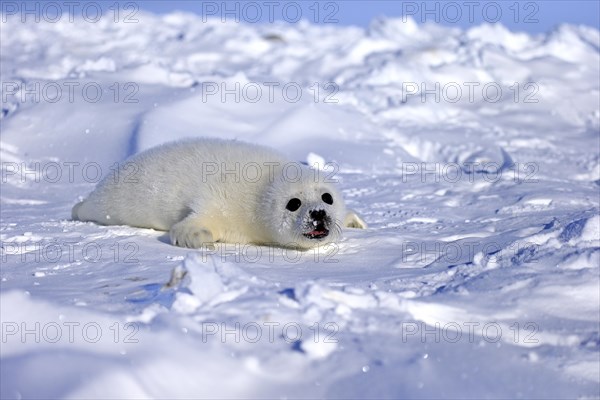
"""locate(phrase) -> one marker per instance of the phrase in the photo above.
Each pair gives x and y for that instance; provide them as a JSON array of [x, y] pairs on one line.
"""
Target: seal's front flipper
[[190, 233], [352, 220]]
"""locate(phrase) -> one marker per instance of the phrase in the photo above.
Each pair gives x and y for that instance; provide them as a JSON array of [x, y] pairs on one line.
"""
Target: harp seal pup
[[210, 190]]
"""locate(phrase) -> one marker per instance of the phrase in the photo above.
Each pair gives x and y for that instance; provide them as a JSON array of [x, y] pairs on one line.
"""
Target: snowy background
[[473, 154]]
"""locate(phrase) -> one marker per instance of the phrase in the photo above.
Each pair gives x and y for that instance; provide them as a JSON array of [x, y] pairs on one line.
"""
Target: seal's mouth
[[317, 233]]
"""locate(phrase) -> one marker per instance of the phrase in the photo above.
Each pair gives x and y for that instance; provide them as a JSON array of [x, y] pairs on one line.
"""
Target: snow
[[477, 278]]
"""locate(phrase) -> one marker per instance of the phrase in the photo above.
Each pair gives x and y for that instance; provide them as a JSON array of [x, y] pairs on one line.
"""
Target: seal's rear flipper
[[74, 215], [352, 220]]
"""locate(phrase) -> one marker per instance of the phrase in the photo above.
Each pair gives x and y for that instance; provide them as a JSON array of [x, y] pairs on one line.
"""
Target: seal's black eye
[[327, 198], [293, 204]]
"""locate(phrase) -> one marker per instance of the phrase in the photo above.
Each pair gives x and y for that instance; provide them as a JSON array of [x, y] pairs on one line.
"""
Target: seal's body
[[210, 190]]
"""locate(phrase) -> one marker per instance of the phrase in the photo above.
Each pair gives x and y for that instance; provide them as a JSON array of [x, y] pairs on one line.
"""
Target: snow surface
[[478, 279]]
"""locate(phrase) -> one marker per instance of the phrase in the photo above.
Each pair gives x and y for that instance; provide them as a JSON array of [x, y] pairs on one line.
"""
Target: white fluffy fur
[[184, 188]]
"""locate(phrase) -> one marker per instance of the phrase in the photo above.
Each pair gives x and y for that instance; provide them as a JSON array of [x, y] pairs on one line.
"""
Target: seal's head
[[305, 210]]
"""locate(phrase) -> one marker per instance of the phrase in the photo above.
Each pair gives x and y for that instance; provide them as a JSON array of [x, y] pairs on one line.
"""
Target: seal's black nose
[[318, 215]]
